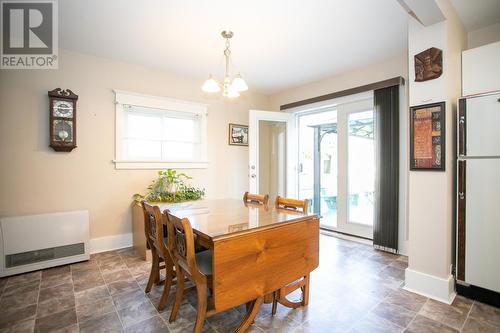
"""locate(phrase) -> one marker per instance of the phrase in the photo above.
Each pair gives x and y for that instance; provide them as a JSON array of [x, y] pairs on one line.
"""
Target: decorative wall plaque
[[428, 64]]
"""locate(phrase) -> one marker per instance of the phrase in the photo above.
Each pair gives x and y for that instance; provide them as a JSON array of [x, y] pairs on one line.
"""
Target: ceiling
[[477, 14], [278, 44]]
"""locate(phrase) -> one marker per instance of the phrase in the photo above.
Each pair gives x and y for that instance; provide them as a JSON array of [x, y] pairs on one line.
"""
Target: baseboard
[[346, 237], [109, 243], [439, 289]]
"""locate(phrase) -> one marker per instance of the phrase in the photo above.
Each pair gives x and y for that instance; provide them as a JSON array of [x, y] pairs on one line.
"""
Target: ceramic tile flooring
[[355, 289]]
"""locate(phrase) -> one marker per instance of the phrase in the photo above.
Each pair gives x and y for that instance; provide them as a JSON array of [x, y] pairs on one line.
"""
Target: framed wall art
[[238, 135], [427, 137]]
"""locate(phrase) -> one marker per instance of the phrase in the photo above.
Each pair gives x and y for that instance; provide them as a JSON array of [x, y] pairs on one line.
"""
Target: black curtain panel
[[385, 227]]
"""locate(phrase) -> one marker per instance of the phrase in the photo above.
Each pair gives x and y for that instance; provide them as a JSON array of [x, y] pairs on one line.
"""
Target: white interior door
[[272, 153]]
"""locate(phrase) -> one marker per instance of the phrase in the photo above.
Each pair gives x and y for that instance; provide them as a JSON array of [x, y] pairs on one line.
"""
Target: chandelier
[[231, 88]]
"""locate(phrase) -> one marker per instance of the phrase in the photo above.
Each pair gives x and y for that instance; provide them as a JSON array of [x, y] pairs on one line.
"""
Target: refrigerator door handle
[[461, 222], [462, 127]]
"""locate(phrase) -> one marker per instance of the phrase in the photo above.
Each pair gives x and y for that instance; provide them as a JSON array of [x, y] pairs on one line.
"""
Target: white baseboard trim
[[109, 243], [439, 289], [346, 237]]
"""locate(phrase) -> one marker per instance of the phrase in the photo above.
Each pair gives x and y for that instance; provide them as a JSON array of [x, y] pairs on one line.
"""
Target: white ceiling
[[277, 44], [477, 14]]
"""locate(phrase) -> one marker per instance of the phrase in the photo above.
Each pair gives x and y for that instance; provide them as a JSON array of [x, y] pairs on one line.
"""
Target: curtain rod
[[398, 80]]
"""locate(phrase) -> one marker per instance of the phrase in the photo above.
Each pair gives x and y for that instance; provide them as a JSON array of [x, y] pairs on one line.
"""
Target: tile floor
[[355, 289]]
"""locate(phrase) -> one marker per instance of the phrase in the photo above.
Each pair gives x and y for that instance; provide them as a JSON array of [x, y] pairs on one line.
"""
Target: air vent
[[31, 257]]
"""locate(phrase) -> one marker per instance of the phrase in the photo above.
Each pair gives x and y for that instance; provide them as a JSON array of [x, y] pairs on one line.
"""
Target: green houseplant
[[170, 186]]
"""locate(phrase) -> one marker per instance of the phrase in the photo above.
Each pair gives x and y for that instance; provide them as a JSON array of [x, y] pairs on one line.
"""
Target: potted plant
[[170, 186]]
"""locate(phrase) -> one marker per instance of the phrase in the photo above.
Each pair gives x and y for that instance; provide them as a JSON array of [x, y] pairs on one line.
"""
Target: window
[[156, 133]]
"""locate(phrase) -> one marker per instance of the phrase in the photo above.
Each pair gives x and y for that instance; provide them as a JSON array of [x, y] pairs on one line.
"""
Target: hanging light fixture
[[231, 88]]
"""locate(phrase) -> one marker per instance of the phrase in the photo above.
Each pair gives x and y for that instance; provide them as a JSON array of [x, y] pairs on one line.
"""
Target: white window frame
[[162, 103]]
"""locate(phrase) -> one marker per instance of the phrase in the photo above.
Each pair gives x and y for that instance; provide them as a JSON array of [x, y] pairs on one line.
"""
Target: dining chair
[[157, 242], [262, 199], [291, 204], [197, 267], [280, 296]]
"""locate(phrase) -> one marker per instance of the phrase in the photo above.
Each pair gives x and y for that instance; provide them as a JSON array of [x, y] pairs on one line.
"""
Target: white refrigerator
[[478, 191]]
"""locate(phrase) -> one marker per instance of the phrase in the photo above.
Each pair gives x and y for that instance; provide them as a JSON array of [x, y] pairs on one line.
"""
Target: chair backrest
[[256, 198], [291, 204], [153, 227], [181, 244]]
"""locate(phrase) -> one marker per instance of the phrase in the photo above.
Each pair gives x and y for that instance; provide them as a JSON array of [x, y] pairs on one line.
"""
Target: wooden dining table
[[257, 249]]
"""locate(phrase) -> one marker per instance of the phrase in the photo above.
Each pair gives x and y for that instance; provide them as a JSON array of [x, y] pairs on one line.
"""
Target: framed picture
[[238, 135], [427, 137]]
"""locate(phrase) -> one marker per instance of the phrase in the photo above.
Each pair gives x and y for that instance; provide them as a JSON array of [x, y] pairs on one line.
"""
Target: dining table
[[256, 249]]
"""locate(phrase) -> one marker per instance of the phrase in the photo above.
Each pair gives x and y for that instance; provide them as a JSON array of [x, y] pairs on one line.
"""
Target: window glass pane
[[180, 151], [328, 174], [163, 135], [323, 198], [179, 129], [361, 167], [143, 126], [142, 149]]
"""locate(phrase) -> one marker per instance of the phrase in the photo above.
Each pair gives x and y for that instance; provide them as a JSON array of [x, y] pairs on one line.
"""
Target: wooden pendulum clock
[[62, 106]]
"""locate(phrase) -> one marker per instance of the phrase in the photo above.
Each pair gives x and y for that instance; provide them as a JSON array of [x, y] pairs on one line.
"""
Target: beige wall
[[264, 156], [431, 193], [387, 69], [272, 156], [486, 35], [35, 179]]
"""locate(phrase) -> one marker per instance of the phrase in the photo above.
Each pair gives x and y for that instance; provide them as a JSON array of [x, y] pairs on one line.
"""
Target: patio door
[[272, 154], [336, 165]]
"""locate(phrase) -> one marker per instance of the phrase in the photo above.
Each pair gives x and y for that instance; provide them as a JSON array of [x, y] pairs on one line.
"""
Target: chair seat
[[204, 262]]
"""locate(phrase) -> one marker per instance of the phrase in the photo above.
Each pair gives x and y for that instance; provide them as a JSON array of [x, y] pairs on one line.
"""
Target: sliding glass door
[[318, 163], [337, 165]]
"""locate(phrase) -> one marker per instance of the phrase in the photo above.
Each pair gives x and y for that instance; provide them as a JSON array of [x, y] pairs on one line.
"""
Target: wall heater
[[34, 242]]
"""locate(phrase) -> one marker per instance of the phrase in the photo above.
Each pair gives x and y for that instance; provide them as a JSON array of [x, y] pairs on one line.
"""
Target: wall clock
[[62, 120]]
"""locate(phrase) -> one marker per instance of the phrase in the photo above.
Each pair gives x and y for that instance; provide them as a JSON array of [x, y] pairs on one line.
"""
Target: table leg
[[252, 311]]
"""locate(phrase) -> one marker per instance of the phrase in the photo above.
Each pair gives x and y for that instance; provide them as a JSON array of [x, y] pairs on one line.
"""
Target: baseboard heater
[[34, 242]]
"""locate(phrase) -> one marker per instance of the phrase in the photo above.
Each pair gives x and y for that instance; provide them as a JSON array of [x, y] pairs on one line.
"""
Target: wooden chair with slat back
[[280, 296], [157, 242], [261, 199], [197, 267], [291, 204]]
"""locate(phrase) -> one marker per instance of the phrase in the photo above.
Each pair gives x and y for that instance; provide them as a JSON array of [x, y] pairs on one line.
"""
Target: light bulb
[[239, 84], [210, 85], [231, 92]]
